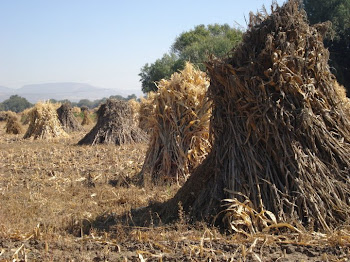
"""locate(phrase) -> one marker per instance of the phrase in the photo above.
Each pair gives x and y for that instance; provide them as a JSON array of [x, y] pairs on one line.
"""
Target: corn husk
[[178, 124]]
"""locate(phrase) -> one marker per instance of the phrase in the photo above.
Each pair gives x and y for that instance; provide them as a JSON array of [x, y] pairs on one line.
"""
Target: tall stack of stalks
[[44, 123], [12, 124], [179, 127], [115, 125], [86, 119], [281, 130], [67, 118]]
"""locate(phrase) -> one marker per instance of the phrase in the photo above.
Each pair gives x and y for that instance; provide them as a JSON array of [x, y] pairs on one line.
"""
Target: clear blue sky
[[100, 42]]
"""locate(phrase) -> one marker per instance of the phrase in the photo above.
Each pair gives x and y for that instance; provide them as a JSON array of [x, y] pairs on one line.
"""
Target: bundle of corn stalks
[[135, 109], [281, 129], [44, 123], [146, 110], [25, 116], [179, 127], [76, 110], [3, 115], [341, 92], [86, 119], [115, 125], [12, 124], [67, 118]]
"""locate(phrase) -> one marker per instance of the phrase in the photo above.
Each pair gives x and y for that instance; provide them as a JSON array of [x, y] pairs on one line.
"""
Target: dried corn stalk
[[179, 127], [114, 125], [146, 110], [25, 116], [44, 123], [135, 109], [281, 128], [67, 118], [12, 124], [86, 118]]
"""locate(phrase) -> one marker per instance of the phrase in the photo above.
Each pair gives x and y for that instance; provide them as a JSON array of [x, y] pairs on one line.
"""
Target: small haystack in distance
[[44, 123], [67, 118], [12, 124], [25, 116], [115, 125], [86, 117], [281, 149], [179, 127], [3, 115]]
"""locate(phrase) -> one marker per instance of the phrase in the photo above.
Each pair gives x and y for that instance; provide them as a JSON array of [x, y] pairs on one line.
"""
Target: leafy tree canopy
[[338, 12], [15, 103], [195, 46]]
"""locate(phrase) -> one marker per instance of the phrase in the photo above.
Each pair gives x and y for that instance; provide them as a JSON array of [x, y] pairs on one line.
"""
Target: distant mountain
[[5, 93], [59, 91]]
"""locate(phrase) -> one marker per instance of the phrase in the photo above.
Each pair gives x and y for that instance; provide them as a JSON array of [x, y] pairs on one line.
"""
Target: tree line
[[17, 103], [198, 44]]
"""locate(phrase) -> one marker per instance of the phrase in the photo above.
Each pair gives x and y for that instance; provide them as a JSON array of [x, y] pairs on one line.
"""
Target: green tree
[[338, 44], [161, 68], [195, 46], [16, 104], [85, 102]]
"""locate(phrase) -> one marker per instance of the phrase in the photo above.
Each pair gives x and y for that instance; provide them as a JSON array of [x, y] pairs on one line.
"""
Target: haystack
[[3, 115], [179, 127], [145, 111], [12, 124], [25, 116], [44, 123], [67, 118], [135, 109], [281, 148], [115, 125], [86, 117]]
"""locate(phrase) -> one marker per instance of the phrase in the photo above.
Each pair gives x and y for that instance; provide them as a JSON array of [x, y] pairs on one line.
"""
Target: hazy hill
[[5, 93], [59, 91]]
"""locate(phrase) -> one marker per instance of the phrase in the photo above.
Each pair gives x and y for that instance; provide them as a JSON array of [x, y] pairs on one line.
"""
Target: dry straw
[[86, 118], [44, 123], [178, 125], [115, 125], [135, 109], [146, 108], [67, 118], [281, 127], [25, 116], [3, 115], [12, 124]]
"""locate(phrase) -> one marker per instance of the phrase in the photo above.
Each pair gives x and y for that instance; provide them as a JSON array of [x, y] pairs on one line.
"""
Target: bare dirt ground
[[63, 202]]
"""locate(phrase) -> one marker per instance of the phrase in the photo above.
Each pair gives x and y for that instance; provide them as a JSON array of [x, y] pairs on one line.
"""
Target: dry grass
[[59, 201]]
